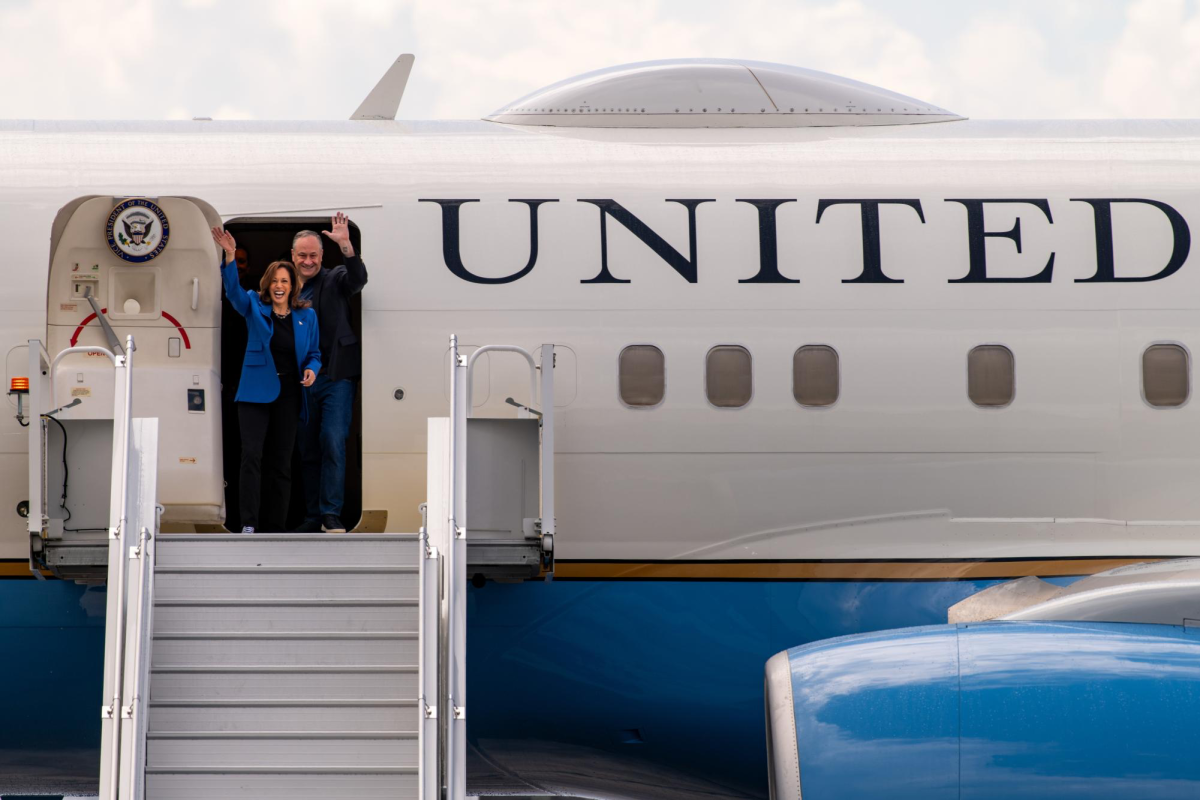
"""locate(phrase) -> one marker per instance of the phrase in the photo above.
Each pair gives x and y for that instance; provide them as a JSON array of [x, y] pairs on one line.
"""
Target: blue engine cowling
[[988, 710]]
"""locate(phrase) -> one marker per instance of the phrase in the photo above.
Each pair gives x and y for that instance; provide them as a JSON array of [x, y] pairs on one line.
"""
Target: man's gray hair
[[303, 234]]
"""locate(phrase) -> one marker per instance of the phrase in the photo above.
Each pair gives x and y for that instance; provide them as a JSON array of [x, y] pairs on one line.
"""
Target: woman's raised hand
[[224, 240], [309, 377]]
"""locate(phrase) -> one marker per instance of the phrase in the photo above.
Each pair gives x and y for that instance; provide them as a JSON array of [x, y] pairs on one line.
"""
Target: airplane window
[[642, 375], [728, 377], [991, 380], [1165, 379], [815, 375]]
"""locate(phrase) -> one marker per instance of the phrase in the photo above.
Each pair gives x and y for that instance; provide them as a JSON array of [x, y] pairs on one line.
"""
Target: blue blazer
[[260, 383]]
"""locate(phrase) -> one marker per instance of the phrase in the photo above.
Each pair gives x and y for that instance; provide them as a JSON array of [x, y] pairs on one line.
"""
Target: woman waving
[[282, 354]]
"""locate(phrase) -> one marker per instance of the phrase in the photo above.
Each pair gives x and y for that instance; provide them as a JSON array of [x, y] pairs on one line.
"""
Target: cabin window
[[728, 376], [642, 375], [991, 379], [815, 375], [1165, 379]]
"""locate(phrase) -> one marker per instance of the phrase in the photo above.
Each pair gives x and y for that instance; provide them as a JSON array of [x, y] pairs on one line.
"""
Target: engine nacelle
[[988, 710]]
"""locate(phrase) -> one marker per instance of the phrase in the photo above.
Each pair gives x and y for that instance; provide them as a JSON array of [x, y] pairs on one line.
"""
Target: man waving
[[331, 398]]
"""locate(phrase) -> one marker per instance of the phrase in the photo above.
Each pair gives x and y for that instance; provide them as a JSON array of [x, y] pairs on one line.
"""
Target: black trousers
[[268, 436]]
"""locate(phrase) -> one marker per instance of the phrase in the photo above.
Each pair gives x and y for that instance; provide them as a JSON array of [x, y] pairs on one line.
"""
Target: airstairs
[[284, 666], [309, 665]]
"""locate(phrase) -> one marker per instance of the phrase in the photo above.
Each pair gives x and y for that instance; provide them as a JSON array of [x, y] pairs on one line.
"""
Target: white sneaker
[[248, 529]]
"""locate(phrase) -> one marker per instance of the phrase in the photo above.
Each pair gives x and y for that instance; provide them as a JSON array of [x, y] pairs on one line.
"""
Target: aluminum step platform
[[284, 665]]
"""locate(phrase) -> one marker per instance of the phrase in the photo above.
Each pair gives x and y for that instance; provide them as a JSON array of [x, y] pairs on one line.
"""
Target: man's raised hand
[[340, 235]]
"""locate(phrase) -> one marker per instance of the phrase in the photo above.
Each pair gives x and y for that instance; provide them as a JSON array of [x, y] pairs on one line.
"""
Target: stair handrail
[[501, 348], [135, 710], [428, 570], [454, 567], [544, 398], [113, 357], [115, 711]]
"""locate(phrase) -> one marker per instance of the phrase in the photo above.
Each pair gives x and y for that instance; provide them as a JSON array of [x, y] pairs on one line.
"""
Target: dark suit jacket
[[259, 382], [341, 352]]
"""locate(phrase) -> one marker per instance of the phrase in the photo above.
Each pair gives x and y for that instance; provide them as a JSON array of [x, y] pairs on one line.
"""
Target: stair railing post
[[122, 422], [547, 470], [456, 573], [427, 678], [135, 710]]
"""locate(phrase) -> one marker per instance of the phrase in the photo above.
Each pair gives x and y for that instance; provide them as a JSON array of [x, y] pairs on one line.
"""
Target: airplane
[[829, 361]]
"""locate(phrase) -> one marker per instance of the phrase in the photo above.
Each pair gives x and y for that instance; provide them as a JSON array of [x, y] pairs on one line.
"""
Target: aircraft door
[[146, 266]]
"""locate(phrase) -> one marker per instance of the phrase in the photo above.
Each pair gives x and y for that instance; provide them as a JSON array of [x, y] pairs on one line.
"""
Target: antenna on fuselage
[[384, 99]]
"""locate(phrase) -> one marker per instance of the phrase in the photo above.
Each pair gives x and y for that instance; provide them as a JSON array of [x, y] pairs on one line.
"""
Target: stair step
[[294, 716], [283, 549], [194, 735], [285, 649], [329, 752], [276, 784], [286, 583], [364, 617], [283, 666], [283, 683], [251, 602]]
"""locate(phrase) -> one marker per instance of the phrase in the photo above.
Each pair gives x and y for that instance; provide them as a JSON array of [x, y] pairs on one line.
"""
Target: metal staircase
[[313, 665], [284, 666]]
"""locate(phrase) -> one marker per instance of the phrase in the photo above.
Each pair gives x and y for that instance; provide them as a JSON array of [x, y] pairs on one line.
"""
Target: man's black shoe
[[309, 526], [331, 524]]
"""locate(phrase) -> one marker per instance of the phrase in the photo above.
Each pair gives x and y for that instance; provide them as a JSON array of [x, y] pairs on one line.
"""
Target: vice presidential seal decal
[[137, 230]]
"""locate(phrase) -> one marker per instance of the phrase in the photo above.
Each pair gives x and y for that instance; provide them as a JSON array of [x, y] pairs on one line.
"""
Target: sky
[[317, 59]]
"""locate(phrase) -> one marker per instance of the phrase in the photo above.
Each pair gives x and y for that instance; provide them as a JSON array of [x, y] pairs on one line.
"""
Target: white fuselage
[[903, 465]]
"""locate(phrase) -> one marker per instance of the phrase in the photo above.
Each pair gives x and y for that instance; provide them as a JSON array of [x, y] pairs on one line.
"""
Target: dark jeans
[[323, 446], [268, 435]]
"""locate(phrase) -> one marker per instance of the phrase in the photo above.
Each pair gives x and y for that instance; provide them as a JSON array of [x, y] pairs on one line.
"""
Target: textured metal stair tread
[[279, 786], [277, 735], [331, 716], [330, 751], [287, 668], [241, 635], [289, 703], [229, 770], [286, 569], [287, 537], [286, 602]]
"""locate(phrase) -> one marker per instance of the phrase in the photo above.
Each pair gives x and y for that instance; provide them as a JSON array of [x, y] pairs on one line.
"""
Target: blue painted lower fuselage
[[568, 681]]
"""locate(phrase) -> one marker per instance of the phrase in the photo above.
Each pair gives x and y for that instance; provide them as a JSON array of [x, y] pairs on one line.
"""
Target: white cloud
[[484, 55], [230, 112], [999, 68], [1154, 67], [846, 38], [317, 59], [481, 56], [76, 49]]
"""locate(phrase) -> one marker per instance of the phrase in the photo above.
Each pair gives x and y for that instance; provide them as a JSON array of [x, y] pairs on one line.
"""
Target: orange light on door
[[19, 386]]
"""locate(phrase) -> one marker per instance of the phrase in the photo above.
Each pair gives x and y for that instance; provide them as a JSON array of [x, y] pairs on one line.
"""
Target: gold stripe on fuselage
[[898, 570], [800, 570], [18, 569]]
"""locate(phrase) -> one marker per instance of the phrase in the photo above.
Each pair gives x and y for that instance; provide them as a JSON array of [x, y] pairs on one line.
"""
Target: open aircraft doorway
[[260, 241]]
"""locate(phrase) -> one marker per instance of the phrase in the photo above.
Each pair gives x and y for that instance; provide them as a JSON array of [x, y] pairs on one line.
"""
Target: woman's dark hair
[[264, 285]]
